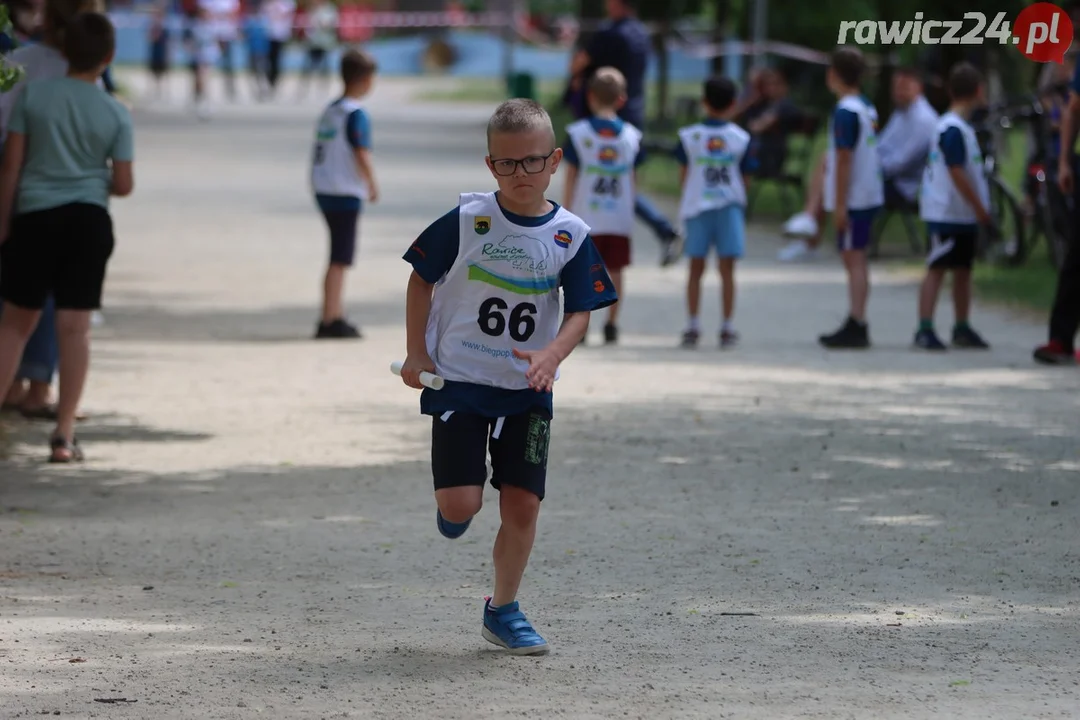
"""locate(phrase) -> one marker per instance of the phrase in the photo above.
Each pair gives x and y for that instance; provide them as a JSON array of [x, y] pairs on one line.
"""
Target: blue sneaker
[[507, 627], [449, 529]]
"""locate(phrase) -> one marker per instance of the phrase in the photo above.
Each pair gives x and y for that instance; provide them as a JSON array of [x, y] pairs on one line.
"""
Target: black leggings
[[273, 62]]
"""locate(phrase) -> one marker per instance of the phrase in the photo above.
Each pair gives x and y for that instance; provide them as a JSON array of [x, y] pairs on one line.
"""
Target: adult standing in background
[[321, 34], [623, 43], [223, 22], [30, 393], [279, 16], [1065, 315]]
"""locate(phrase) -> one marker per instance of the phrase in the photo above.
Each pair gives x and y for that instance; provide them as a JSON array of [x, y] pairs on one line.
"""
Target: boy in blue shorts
[[713, 158], [954, 201], [854, 189], [343, 178], [482, 311]]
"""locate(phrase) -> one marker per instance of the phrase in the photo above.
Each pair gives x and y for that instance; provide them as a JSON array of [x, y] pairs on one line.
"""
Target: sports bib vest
[[867, 189], [939, 200], [604, 196], [333, 162], [713, 177], [501, 293]]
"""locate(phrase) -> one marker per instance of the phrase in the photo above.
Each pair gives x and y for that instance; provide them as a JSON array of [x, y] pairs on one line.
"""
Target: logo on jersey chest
[[520, 264], [482, 224], [716, 145], [563, 239]]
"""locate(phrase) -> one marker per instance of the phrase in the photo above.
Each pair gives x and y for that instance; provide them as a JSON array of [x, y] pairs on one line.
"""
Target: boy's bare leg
[[617, 281], [513, 545], [929, 291], [727, 288], [16, 326], [693, 287], [961, 293], [73, 336], [858, 272], [459, 504], [333, 292]]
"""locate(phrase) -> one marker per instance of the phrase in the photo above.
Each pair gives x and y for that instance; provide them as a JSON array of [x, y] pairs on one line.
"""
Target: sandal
[[64, 451]]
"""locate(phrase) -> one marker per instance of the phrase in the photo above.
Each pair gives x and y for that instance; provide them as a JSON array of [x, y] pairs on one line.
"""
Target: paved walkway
[[253, 534]]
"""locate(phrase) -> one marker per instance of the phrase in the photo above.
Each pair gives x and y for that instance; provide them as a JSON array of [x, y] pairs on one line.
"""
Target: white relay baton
[[426, 379]]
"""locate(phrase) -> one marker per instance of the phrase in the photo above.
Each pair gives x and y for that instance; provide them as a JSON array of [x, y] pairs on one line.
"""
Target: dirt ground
[[773, 532]]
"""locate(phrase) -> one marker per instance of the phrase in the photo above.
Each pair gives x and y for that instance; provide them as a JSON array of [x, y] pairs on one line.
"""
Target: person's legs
[[729, 229], [341, 222], [698, 241], [16, 325], [226, 49], [39, 360], [615, 252], [273, 69], [665, 232], [806, 226], [73, 333], [25, 275], [519, 452], [925, 336], [459, 445], [854, 334], [1065, 314]]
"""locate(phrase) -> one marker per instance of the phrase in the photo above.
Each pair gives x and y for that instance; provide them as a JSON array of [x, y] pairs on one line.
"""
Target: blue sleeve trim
[[845, 129], [435, 250], [953, 147], [680, 154], [585, 281], [358, 127], [570, 152]]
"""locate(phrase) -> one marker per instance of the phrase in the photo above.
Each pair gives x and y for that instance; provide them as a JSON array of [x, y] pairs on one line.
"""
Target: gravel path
[[253, 534]]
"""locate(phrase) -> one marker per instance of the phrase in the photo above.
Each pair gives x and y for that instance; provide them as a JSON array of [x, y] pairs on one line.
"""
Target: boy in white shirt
[[601, 156], [343, 178], [854, 189], [713, 158], [953, 201]]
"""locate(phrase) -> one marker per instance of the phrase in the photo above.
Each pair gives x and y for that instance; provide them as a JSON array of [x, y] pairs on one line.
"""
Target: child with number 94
[[483, 312]]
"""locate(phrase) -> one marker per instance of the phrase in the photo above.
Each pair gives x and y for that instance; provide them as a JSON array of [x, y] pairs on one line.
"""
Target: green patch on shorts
[[537, 438]]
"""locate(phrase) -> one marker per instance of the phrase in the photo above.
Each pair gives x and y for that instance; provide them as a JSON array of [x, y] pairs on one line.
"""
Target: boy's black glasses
[[531, 165]]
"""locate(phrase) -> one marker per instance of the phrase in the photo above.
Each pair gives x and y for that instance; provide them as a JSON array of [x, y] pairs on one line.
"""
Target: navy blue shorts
[[859, 232], [518, 445]]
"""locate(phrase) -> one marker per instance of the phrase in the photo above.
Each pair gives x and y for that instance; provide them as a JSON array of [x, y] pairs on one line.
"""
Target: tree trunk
[[663, 74], [720, 31]]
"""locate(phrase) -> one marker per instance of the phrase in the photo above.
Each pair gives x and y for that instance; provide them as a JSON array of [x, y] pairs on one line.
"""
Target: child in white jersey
[[854, 189], [343, 178], [954, 200], [482, 311], [713, 158], [601, 154]]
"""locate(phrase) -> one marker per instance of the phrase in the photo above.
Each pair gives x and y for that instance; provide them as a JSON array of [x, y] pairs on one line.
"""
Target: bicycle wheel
[[1010, 247]]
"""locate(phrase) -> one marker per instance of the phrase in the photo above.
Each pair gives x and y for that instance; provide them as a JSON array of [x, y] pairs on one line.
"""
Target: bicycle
[[1051, 211], [1008, 244]]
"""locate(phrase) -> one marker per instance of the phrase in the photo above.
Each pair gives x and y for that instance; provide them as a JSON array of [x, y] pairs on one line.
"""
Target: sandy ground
[[253, 534]]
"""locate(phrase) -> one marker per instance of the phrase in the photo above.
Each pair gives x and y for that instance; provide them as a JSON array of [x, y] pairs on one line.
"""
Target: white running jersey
[[867, 182], [604, 196], [501, 293], [939, 200], [333, 162], [714, 178]]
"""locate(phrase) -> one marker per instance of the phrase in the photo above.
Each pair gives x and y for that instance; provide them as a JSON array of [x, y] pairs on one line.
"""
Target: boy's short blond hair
[[607, 86], [520, 115]]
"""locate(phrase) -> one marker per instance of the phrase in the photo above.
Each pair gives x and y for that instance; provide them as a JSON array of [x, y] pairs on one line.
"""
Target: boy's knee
[[518, 507], [459, 504]]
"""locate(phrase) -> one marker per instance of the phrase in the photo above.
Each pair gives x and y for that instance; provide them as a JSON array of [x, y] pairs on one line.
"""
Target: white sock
[[727, 326], [693, 325]]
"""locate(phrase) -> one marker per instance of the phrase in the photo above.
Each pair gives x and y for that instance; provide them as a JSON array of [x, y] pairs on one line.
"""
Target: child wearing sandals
[[69, 147]]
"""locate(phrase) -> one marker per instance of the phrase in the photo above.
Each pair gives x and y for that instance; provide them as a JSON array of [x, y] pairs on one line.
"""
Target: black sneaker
[[336, 330], [928, 340], [611, 334], [671, 250], [852, 335], [728, 338], [967, 339], [690, 339]]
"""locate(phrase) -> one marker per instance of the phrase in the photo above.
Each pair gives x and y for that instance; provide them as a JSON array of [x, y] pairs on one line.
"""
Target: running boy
[[57, 235], [954, 200], [482, 311], [854, 188], [343, 178], [713, 158], [601, 154]]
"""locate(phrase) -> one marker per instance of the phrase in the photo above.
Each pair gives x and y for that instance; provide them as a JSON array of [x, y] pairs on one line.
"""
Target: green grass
[[1028, 287]]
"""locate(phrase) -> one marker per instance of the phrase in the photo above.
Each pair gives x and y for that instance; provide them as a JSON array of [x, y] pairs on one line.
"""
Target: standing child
[[713, 158], [854, 189], [601, 154], [159, 48], [343, 178], [482, 311], [954, 201], [69, 147]]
